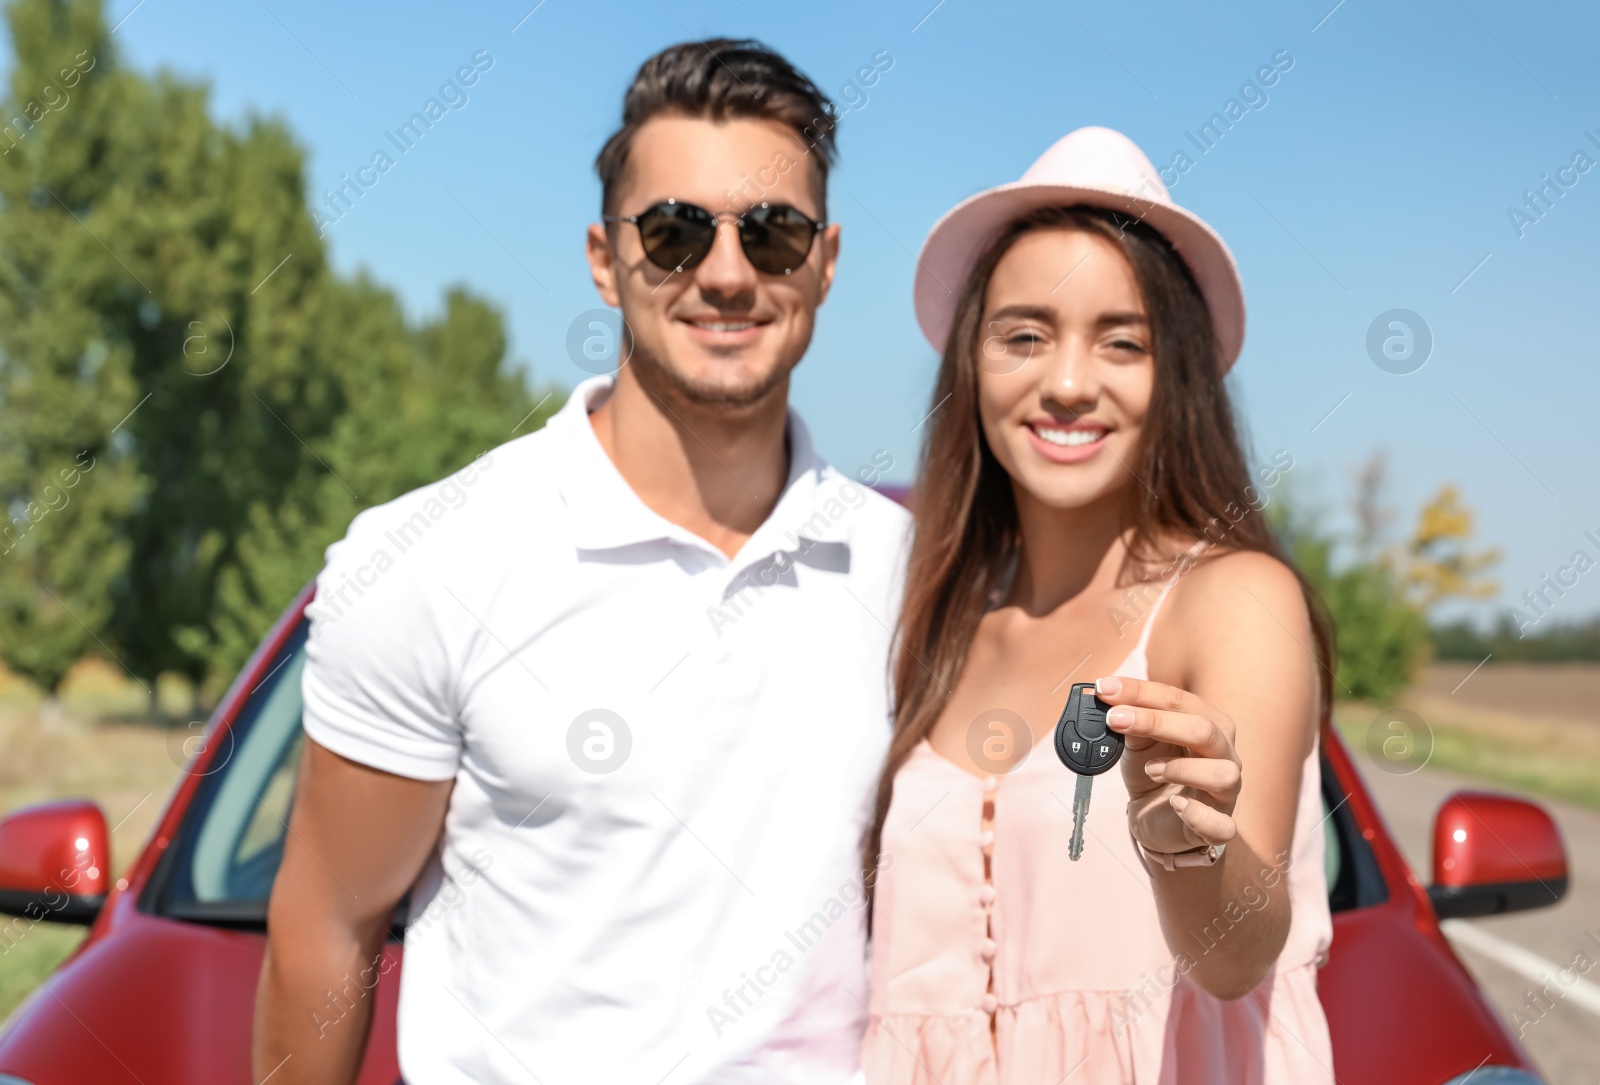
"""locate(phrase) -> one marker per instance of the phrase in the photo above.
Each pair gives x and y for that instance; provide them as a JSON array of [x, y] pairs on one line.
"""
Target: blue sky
[[1378, 176]]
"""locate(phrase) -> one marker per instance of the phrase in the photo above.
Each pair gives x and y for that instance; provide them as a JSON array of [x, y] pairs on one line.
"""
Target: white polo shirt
[[664, 761]]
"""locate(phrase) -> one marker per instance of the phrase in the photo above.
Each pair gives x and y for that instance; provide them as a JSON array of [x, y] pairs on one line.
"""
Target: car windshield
[[221, 866]]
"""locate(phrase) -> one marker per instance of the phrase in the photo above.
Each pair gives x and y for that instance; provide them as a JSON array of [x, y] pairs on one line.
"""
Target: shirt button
[[990, 783], [986, 839], [989, 1003], [987, 947], [986, 895]]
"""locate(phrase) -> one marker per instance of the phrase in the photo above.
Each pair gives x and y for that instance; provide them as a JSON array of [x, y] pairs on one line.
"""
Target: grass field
[[96, 750], [1529, 726], [101, 749]]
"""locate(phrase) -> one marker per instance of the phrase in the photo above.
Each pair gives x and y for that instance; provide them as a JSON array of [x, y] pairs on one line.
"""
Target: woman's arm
[[1214, 755]]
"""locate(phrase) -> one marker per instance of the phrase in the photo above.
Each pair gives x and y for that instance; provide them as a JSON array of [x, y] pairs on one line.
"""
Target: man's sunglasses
[[776, 238]]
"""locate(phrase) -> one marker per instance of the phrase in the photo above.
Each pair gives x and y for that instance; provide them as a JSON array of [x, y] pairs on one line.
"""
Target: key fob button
[[1102, 753], [1077, 752]]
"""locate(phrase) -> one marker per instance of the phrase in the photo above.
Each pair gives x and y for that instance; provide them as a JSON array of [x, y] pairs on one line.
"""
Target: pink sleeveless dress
[[1066, 961]]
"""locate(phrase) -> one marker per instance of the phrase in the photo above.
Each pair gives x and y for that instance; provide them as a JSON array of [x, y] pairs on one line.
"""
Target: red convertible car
[[161, 992]]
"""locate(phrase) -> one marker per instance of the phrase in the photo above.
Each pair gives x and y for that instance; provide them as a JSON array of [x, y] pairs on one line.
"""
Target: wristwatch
[[1204, 855]]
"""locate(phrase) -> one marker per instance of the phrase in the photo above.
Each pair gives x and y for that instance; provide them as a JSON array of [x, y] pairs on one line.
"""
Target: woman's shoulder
[[1256, 568], [1234, 616], [1230, 585]]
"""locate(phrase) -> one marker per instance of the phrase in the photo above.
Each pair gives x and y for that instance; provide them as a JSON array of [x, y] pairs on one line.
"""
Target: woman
[[1084, 512]]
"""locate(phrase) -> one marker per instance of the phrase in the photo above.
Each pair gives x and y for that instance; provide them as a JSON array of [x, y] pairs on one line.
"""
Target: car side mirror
[[55, 862], [1492, 854]]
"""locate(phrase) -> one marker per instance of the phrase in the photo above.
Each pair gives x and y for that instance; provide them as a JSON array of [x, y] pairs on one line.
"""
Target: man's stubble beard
[[665, 383]]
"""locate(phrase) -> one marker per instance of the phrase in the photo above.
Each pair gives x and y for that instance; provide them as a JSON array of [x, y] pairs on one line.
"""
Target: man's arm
[[358, 838]]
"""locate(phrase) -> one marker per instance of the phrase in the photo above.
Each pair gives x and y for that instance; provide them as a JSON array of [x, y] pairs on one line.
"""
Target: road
[[1514, 956]]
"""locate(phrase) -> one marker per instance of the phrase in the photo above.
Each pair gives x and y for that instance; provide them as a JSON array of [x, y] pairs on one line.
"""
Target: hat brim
[[960, 237]]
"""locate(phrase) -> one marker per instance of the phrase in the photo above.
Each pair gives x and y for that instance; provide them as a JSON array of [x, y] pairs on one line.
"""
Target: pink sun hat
[[1095, 166]]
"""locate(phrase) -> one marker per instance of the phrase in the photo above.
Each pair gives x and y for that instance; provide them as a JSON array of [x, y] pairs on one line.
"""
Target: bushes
[[1382, 640], [1380, 595]]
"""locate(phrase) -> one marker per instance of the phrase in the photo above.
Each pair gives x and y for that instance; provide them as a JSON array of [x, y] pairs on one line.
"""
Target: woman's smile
[[1067, 442]]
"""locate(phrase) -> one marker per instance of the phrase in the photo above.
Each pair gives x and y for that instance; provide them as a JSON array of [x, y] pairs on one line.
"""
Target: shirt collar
[[607, 514]]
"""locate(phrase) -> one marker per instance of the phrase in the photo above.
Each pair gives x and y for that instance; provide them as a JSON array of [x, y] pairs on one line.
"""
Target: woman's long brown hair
[[1190, 462]]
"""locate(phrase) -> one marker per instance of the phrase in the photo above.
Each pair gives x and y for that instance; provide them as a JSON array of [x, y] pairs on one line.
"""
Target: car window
[[1331, 859], [225, 857], [1354, 879], [240, 841]]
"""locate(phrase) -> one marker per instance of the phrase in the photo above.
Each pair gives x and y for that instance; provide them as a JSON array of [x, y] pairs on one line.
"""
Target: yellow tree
[[1436, 562]]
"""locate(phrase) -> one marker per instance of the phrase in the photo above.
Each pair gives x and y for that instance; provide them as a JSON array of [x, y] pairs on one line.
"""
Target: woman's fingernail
[[1178, 803], [1156, 768], [1121, 714], [1108, 686]]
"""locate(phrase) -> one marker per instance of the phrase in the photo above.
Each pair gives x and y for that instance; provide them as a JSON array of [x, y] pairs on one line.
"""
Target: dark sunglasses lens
[[777, 239], [676, 235]]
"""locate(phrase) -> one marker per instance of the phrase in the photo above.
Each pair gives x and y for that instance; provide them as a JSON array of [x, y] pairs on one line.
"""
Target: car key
[[1088, 747]]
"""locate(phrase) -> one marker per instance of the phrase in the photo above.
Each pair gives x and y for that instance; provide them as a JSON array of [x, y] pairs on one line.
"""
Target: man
[[614, 708]]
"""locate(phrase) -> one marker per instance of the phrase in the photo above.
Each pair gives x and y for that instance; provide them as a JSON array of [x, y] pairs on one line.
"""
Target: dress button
[[987, 947], [986, 839], [989, 1003], [990, 783], [986, 895]]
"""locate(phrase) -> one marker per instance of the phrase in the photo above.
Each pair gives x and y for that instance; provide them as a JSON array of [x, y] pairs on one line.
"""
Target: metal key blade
[[1080, 811]]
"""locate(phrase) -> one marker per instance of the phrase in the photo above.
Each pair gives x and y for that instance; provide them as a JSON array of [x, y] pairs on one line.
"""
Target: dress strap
[[1166, 589]]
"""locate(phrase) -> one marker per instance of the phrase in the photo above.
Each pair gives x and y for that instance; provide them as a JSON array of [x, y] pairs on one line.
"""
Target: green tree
[[1379, 600], [67, 478], [416, 406], [168, 309], [226, 351], [1381, 639], [158, 230]]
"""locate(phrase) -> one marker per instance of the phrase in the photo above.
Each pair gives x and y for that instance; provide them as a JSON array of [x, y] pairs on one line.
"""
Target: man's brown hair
[[716, 79]]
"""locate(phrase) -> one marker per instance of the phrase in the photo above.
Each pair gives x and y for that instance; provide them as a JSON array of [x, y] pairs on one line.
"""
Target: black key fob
[[1083, 741]]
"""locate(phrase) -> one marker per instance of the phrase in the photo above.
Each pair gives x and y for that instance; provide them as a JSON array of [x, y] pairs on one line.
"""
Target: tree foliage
[[1381, 639], [1380, 596], [67, 474], [167, 316], [1437, 563], [1571, 642]]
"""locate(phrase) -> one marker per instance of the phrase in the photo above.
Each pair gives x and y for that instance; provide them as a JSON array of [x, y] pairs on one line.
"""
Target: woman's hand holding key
[[1180, 766]]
